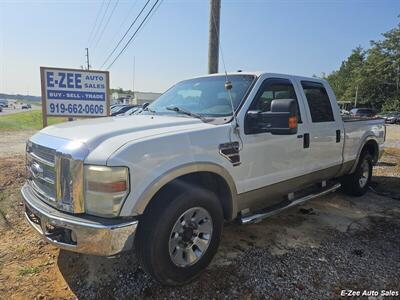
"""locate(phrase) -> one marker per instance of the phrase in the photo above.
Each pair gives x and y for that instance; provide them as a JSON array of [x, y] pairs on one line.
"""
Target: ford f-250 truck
[[212, 149]]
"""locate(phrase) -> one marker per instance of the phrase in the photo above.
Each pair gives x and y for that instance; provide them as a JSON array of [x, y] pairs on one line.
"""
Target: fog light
[[73, 236]]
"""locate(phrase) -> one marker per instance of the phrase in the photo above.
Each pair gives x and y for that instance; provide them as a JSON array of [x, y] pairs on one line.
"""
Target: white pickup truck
[[164, 182]]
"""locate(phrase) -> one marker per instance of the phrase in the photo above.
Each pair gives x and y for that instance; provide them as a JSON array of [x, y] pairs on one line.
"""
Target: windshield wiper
[[185, 112], [147, 108]]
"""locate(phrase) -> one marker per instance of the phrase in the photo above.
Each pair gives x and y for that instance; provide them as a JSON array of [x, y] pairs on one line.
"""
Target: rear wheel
[[356, 184], [178, 238]]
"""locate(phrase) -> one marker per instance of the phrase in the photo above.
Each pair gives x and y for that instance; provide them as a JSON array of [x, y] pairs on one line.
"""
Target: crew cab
[[212, 149]]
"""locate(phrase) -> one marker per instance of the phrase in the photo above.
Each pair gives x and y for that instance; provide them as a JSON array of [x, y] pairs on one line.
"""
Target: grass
[[28, 270], [26, 120]]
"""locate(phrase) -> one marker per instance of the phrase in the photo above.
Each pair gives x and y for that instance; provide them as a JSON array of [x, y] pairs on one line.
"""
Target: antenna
[[228, 83]]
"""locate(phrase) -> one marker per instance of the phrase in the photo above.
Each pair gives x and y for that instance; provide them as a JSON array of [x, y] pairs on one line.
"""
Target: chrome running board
[[260, 216]]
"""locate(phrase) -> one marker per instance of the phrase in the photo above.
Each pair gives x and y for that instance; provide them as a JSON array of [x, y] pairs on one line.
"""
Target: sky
[[294, 37]]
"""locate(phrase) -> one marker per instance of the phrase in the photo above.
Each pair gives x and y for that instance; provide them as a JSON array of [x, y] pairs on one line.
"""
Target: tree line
[[371, 77]]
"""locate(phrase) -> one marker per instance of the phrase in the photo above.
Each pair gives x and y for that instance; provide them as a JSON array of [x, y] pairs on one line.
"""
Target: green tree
[[374, 73]]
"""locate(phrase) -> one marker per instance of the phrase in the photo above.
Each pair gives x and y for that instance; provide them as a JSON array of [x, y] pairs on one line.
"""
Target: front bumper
[[90, 235]]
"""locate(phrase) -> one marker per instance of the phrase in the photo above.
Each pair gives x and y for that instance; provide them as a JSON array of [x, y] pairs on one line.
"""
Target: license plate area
[[52, 232], [32, 217]]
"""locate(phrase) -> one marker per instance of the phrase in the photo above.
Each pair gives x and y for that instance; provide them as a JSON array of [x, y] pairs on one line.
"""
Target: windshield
[[205, 96]]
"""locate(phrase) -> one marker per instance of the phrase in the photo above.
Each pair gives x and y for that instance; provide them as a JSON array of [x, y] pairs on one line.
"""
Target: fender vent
[[231, 152]]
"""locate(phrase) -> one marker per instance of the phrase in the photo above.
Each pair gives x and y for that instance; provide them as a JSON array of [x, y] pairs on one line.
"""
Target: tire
[[356, 184], [159, 247]]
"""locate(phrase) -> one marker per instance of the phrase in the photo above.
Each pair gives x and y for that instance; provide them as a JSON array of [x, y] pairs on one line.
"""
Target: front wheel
[[178, 238], [356, 184]]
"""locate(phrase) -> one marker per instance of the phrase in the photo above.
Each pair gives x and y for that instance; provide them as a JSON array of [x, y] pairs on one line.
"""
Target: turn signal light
[[109, 187], [292, 122]]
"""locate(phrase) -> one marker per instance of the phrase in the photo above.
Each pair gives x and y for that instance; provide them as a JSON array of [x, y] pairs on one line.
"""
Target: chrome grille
[[55, 171], [44, 153], [41, 171], [50, 174]]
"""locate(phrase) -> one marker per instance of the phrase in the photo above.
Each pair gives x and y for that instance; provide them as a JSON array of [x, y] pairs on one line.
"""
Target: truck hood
[[94, 131]]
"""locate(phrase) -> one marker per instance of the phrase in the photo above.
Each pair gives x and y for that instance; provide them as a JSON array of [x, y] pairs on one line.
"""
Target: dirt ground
[[328, 244], [13, 142]]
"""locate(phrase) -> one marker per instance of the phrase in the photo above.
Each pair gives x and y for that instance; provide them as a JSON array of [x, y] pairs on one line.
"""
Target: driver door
[[267, 159]]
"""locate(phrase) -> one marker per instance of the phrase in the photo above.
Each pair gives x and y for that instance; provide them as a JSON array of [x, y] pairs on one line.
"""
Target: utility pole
[[213, 42], [87, 59]]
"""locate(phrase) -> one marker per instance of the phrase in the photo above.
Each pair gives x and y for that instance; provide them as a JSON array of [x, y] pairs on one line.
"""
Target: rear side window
[[318, 102]]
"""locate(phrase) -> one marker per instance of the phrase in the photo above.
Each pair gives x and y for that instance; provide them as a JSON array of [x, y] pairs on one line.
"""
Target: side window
[[318, 102], [274, 89]]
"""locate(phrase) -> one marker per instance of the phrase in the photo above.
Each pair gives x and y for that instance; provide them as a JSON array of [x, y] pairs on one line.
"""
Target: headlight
[[105, 189]]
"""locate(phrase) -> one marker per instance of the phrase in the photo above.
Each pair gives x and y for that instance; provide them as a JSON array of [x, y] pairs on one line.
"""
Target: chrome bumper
[[76, 233]]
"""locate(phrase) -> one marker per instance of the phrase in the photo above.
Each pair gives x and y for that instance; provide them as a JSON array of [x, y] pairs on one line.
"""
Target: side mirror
[[281, 120]]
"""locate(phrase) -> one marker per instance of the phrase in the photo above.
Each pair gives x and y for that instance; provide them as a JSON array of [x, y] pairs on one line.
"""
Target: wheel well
[[207, 180], [372, 148]]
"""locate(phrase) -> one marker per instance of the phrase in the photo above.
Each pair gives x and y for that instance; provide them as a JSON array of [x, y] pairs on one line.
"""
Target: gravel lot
[[294, 255], [313, 251]]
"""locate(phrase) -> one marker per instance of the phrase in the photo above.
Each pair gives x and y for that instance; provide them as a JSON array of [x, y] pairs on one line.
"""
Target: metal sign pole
[[44, 108]]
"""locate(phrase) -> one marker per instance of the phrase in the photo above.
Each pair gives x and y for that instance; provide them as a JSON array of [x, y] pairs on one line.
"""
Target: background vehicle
[[393, 118], [115, 105], [3, 103], [133, 110], [26, 106], [208, 151], [362, 112], [344, 112], [1, 108], [118, 110]]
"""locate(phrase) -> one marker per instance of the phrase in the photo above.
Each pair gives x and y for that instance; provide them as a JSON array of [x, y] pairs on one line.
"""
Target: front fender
[[155, 161], [152, 189]]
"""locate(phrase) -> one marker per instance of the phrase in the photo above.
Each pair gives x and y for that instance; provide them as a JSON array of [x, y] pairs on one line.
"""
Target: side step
[[262, 215]]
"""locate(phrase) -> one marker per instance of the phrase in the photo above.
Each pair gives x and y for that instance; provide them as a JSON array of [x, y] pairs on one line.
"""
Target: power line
[[134, 34], [151, 15], [126, 19], [126, 33], [101, 21], [95, 22], [106, 24]]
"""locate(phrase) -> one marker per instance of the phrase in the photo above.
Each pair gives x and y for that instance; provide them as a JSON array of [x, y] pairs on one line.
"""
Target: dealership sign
[[74, 93]]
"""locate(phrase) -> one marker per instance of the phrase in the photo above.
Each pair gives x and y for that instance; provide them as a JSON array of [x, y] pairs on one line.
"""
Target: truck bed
[[356, 130], [347, 118]]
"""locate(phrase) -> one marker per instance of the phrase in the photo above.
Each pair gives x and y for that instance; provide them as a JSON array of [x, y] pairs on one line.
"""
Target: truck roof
[[261, 73]]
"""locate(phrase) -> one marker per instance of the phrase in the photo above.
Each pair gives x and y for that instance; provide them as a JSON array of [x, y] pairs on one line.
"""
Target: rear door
[[325, 128]]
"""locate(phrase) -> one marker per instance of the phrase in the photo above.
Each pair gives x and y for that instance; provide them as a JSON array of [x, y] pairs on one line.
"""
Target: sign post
[[74, 93]]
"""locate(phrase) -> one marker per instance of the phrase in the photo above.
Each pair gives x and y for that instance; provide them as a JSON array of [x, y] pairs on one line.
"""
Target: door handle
[[338, 136], [306, 140]]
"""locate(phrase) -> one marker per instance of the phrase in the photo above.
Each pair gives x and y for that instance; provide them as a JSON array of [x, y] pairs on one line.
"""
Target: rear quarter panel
[[358, 132]]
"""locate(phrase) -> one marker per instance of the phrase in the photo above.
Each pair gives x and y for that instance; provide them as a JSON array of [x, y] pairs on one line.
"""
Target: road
[[9, 111]]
